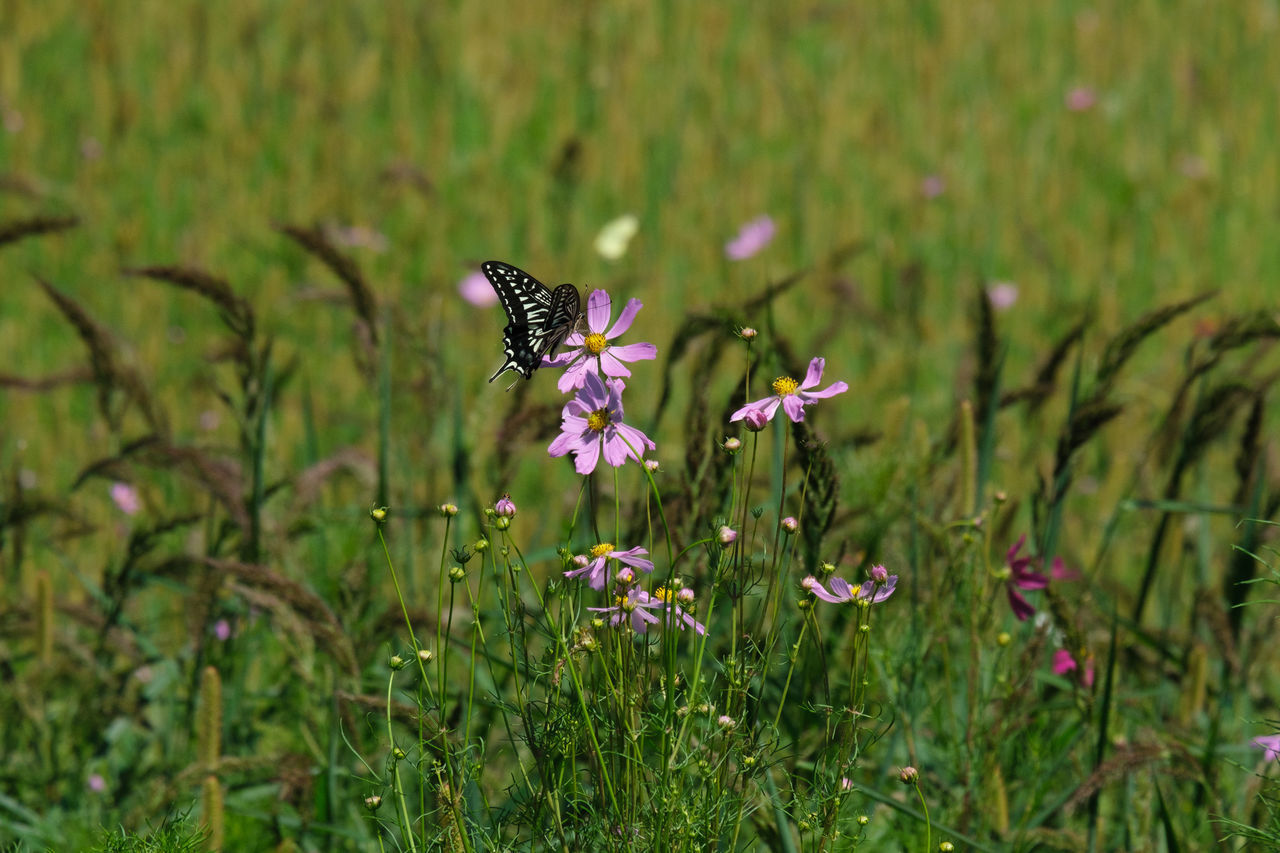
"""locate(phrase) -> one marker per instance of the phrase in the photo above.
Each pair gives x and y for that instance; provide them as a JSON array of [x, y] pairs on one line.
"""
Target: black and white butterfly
[[538, 319]]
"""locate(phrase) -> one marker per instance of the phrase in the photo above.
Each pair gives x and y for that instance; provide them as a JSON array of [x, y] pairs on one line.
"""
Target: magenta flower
[[873, 591], [752, 237], [1064, 662], [475, 288], [793, 396], [505, 507], [597, 570], [1018, 575], [1271, 743], [592, 352], [125, 498], [637, 606], [593, 424]]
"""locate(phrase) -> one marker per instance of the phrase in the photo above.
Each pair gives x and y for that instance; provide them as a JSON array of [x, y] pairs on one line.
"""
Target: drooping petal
[[615, 450], [794, 407], [586, 456], [767, 406], [840, 592], [633, 557], [625, 319], [575, 376], [612, 366], [1021, 608], [599, 307]]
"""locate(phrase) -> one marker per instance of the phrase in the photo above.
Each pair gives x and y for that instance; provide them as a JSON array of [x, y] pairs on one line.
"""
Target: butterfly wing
[[562, 318], [538, 320]]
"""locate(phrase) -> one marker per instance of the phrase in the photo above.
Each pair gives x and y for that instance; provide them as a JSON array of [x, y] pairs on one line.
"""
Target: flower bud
[[755, 420], [790, 524], [732, 445], [505, 507], [726, 535], [448, 510], [908, 775]]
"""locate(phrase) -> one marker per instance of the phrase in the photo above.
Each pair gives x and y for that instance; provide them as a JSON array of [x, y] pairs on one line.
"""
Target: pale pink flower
[[597, 570], [592, 426], [475, 288], [1002, 295], [793, 396], [592, 352], [932, 186], [752, 237], [125, 498], [1270, 743]]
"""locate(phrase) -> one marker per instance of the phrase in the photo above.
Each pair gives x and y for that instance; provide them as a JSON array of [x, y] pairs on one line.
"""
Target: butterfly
[[538, 319]]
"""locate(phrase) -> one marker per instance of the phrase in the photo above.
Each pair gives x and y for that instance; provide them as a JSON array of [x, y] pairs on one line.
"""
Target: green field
[[1038, 241]]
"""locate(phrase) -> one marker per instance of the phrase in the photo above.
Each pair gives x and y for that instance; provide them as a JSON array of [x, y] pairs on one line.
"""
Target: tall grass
[[231, 239]]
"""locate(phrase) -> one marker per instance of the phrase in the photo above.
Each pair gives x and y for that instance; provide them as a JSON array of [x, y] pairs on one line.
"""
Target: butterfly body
[[538, 318]]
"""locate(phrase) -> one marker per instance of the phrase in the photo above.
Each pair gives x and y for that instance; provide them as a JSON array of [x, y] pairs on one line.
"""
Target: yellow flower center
[[784, 385], [598, 420], [595, 343], [664, 594], [604, 549]]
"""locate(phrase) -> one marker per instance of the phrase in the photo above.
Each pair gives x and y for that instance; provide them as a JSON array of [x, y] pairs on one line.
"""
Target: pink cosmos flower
[[475, 288], [222, 630], [872, 591], [1018, 575], [593, 424], [125, 498], [637, 606], [1271, 743], [505, 507], [1064, 662], [932, 186], [792, 396], [752, 237], [592, 352], [597, 570], [96, 783]]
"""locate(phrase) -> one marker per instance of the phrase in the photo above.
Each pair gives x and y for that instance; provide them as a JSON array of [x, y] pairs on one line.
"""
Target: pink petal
[[599, 307], [1063, 662], [1021, 608], [611, 365], [475, 288], [587, 457], [767, 407], [625, 318], [830, 391], [814, 375], [1014, 549], [1030, 580], [638, 440], [632, 352], [1059, 571], [575, 376], [615, 451], [794, 407]]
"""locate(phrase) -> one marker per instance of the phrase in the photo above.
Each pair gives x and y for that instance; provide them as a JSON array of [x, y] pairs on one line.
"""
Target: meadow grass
[[232, 234]]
